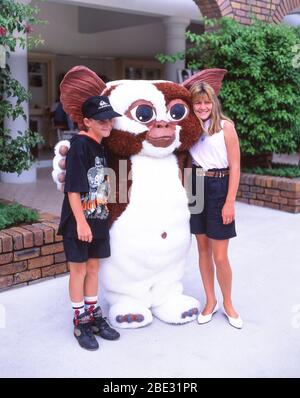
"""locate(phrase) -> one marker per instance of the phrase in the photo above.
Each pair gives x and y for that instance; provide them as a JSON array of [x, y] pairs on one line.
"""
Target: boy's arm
[[83, 229]]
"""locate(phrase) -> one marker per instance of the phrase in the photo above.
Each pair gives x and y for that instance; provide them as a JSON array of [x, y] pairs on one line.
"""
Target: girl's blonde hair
[[204, 89]]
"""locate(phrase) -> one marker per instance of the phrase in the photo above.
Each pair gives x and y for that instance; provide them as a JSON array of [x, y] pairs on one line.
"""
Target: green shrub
[[261, 92], [15, 214], [15, 153], [277, 170]]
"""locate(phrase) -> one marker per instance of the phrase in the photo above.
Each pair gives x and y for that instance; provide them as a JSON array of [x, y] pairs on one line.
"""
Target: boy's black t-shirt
[[85, 174]]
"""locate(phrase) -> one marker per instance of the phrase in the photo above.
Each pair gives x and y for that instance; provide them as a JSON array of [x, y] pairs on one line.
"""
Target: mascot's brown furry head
[[153, 111]]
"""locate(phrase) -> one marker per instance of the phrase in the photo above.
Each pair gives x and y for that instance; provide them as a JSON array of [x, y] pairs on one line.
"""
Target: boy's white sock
[[90, 303], [78, 308]]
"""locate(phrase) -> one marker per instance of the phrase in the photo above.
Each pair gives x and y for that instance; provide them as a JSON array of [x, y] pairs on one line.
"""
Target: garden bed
[[32, 252], [268, 191]]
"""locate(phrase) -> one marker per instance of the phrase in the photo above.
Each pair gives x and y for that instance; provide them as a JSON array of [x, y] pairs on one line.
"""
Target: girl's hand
[[228, 212], [84, 232]]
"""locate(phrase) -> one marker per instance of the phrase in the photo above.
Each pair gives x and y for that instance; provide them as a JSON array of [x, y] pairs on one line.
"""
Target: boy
[[84, 224]]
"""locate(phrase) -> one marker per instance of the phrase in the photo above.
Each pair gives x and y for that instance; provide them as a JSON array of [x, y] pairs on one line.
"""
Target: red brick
[[27, 276], [249, 195], [53, 225], [17, 238], [272, 205], [273, 192], [37, 234], [47, 231], [51, 249], [6, 281], [243, 200], [260, 181], [248, 179], [279, 199], [54, 270], [290, 209], [26, 254], [6, 258], [244, 188], [265, 198], [12, 268], [60, 257], [7, 243], [290, 195], [294, 202], [256, 202], [40, 262], [27, 236], [257, 189]]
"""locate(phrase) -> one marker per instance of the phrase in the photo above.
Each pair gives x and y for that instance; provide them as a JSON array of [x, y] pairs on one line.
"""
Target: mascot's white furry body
[[150, 237], [145, 269]]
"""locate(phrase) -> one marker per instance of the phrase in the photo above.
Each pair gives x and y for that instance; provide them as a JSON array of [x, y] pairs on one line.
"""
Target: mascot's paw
[[59, 163], [129, 315], [177, 309]]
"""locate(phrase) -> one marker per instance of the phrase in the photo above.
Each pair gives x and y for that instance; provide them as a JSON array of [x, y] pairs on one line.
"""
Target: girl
[[216, 158]]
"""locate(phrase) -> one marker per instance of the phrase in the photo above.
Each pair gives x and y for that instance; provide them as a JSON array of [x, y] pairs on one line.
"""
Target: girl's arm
[[83, 229], [234, 157]]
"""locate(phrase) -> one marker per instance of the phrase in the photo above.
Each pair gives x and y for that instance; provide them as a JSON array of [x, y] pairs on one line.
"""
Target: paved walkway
[[37, 338]]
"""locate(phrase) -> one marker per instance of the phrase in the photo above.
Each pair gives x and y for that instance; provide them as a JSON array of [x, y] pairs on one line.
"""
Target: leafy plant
[[14, 214], [15, 152], [277, 170], [261, 90]]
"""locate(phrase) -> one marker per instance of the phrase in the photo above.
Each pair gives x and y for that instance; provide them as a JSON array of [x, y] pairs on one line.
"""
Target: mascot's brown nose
[[161, 124], [161, 134]]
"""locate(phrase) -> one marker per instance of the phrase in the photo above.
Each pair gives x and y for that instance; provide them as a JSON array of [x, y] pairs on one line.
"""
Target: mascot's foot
[[129, 315], [177, 310]]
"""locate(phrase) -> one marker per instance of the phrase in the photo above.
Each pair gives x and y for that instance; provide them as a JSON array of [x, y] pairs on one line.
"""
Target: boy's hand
[[84, 232]]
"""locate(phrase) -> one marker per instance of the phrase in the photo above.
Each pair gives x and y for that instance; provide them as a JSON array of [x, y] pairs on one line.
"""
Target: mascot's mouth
[[160, 142]]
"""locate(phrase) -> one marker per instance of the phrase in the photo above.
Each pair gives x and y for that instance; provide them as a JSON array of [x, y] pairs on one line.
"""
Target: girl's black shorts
[[209, 221], [78, 251]]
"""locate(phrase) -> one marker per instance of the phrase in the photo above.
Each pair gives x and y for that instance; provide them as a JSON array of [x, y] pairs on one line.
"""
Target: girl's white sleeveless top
[[210, 151]]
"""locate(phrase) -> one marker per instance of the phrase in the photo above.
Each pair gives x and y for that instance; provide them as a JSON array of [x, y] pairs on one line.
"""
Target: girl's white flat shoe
[[207, 318], [235, 322]]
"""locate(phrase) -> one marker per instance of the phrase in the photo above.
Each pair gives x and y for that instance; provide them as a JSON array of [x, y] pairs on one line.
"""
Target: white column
[[18, 64], [175, 28]]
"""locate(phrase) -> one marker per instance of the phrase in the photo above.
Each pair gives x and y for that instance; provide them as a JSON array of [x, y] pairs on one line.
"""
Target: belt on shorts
[[216, 173]]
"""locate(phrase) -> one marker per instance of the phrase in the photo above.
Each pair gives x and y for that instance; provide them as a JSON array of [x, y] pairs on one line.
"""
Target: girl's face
[[202, 107]]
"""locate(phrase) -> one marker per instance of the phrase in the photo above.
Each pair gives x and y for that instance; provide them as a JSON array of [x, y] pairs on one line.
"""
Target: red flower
[[3, 31], [28, 28]]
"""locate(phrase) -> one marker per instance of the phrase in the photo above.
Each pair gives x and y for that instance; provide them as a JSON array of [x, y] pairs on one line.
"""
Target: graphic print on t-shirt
[[94, 202]]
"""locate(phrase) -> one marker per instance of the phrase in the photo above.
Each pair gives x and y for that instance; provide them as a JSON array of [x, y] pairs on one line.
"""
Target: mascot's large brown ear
[[79, 84], [213, 77]]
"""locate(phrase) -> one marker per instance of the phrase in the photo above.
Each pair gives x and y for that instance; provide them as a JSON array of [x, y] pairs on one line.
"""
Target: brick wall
[[241, 10], [274, 192], [31, 252]]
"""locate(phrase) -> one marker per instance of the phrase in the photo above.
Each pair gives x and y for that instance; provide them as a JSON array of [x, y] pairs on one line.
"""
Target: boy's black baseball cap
[[98, 108]]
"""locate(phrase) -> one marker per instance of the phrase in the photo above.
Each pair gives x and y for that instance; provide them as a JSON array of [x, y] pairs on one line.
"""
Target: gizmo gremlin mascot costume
[[150, 233]]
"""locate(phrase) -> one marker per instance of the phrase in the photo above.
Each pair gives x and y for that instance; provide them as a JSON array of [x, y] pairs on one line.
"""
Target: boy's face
[[101, 128]]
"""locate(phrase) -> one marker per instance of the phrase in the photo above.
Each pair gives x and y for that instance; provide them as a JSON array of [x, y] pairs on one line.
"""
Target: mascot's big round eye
[[177, 112], [143, 113]]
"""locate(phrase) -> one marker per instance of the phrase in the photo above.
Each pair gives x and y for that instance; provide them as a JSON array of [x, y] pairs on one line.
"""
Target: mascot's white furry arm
[[150, 232]]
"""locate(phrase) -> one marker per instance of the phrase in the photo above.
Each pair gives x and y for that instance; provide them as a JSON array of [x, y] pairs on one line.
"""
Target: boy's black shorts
[[209, 221], [78, 251]]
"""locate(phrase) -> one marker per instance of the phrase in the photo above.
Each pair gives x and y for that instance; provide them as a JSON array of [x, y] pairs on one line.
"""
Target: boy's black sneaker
[[101, 328], [83, 332]]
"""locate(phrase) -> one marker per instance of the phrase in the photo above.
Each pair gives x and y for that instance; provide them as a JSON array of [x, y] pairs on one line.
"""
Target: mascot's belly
[[153, 232]]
